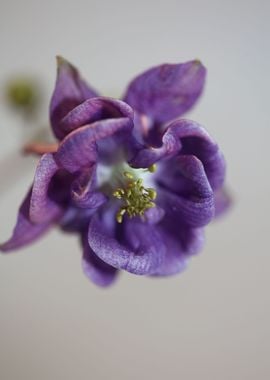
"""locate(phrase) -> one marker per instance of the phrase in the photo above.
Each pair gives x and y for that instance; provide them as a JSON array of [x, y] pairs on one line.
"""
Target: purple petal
[[139, 250], [92, 110], [96, 269], [83, 190], [181, 242], [149, 156], [196, 141], [79, 149], [167, 91], [175, 261], [76, 219], [42, 208], [25, 232], [95, 109], [194, 202], [188, 138], [154, 215], [70, 90], [223, 201]]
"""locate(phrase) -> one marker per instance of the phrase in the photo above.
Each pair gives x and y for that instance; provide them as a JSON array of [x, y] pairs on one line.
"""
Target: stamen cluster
[[136, 198]]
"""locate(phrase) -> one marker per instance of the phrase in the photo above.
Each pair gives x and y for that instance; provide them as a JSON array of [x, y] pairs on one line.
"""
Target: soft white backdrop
[[212, 322]]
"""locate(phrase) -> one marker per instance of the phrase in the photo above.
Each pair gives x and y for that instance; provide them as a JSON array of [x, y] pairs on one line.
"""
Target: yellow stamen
[[152, 168], [135, 197]]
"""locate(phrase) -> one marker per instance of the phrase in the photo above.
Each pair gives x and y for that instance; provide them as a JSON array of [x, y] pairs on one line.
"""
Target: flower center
[[136, 198]]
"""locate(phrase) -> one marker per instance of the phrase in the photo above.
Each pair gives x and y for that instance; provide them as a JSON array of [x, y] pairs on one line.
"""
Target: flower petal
[[95, 109], [167, 91], [196, 141], [76, 219], [70, 90], [92, 110], [153, 215], [181, 242], [138, 249], [25, 232], [96, 269], [188, 138], [42, 208], [194, 202], [79, 149], [83, 190], [223, 201], [146, 157]]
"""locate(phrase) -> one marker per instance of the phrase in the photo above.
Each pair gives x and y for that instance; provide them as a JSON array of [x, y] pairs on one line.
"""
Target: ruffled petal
[[167, 91], [194, 202], [196, 141], [115, 147], [81, 147], [42, 208], [96, 269], [25, 232], [95, 109], [137, 249], [145, 157], [188, 138], [181, 242], [83, 190], [70, 90]]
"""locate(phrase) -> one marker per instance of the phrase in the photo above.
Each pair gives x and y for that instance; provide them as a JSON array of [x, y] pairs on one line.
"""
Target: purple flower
[[132, 179]]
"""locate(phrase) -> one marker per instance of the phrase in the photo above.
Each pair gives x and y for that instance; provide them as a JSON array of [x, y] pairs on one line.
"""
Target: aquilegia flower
[[132, 179]]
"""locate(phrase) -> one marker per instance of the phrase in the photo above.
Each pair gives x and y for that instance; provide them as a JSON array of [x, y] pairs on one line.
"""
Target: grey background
[[212, 322]]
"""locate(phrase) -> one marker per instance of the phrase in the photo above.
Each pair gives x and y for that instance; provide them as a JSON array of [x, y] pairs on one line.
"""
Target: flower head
[[135, 181]]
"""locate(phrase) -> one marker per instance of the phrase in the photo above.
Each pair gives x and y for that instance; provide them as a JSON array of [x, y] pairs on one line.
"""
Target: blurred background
[[211, 322]]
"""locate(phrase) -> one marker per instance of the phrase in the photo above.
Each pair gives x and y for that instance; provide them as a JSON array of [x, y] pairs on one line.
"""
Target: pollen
[[136, 199]]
